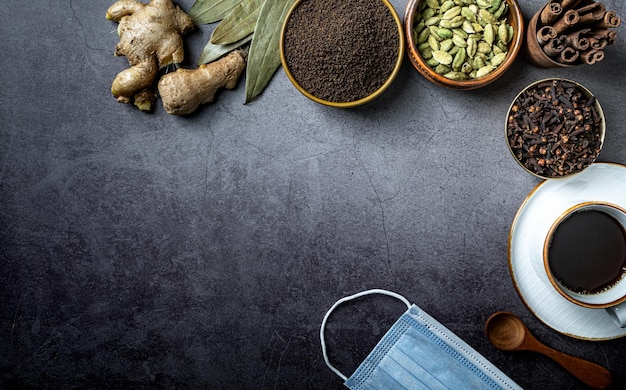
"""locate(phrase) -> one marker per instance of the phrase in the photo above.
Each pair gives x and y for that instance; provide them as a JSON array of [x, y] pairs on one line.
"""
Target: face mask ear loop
[[343, 300]]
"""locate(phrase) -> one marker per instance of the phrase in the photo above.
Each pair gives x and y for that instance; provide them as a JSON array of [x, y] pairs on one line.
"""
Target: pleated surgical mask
[[419, 353]]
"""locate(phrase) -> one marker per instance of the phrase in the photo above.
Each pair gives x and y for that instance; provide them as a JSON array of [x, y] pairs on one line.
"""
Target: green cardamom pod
[[503, 33], [483, 3], [457, 21], [459, 59], [466, 68], [446, 5], [489, 34], [458, 41], [472, 45], [442, 69], [428, 13], [432, 62], [451, 13], [423, 36], [495, 4], [432, 3], [487, 16], [484, 71], [455, 76], [433, 42], [445, 33], [501, 10], [427, 52], [511, 33], [422, 46], [468, 14], [498, 59], [445, 23], [460, 33], [483, 47], [446, 45], [442, 57], [432, 21]]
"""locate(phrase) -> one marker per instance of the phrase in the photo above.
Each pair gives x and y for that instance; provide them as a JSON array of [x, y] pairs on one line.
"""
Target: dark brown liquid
[[588, 251]]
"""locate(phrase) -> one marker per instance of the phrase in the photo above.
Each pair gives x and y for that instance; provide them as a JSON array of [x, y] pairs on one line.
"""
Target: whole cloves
[[554, 129]]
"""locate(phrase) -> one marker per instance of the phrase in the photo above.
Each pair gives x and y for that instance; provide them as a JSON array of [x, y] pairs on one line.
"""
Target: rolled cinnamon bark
[[609, 35], [545, 33], [569, 55], [554, 47], [590, 57], [568, 4], [591, 13], [569, 19], [597, 44], [577, 40], [610, 20], [550, 12]]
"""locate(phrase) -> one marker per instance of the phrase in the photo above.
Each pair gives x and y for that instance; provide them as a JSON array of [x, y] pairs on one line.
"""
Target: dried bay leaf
[[210, 11], [239, 23], [212, 52], [264, 54]]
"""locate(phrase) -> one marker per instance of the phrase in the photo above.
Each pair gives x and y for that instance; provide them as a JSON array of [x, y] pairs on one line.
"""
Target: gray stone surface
[[152, 251]]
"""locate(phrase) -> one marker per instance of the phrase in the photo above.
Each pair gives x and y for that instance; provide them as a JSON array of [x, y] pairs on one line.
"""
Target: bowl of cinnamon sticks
[[555, 128], [566, 33]]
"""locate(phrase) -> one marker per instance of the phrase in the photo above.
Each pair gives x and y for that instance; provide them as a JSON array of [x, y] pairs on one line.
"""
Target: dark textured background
[[152, 251]]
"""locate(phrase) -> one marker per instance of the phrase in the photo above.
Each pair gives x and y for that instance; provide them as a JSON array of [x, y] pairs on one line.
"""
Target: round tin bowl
[[345, 104], [514, 17], [522, 161]]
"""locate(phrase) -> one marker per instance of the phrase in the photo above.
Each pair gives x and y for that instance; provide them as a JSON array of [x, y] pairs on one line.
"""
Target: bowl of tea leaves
[[342, 53], [555, 128]]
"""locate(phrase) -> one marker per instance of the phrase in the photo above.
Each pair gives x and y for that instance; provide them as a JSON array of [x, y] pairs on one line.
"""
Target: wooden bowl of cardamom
[[463, 45], [342, 54]]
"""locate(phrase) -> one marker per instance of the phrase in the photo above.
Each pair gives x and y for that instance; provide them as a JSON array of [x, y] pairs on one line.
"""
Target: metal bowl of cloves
[[555, 128]]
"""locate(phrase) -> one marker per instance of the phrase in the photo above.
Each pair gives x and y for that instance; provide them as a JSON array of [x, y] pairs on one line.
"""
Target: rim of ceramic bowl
[[587, 94], [515, 16], [546, 247], [354, 103]]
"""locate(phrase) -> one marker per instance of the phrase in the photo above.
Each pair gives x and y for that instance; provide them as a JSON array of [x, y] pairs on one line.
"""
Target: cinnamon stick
[[591, 13], [610, 20], [554, 47], [597, 44], [569, 55], [577, 40], [545, 33], [609, 35], [590, 57], [550, 12], [569, 19], [568, 4]]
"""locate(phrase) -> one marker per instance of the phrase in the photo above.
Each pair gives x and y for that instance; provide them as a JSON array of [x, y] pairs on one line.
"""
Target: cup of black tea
[[584, 255]]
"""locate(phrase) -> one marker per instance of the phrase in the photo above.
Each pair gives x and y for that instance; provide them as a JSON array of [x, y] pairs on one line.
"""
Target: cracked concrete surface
[[151, 251]]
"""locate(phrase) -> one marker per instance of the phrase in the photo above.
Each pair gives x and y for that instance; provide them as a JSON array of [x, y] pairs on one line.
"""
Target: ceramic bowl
[[551, 150], [514, 17], [345, 104]]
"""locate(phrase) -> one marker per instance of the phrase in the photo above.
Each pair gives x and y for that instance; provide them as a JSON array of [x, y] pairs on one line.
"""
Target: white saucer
[[599, 182]]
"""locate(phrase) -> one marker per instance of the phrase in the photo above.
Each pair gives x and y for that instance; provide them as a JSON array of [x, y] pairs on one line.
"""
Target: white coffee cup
[[612, 296]]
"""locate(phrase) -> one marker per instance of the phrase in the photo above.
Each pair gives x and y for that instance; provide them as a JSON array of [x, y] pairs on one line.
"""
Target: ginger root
[[150, 38], [183, 91]]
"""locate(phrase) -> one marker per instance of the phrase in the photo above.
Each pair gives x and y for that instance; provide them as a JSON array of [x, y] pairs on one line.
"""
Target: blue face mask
[[419, 353]]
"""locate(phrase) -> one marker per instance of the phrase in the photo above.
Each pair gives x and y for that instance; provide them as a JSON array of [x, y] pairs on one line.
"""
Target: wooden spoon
[[508, 333]]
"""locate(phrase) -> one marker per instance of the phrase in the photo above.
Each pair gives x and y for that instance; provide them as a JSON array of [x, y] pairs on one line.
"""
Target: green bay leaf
[[264, 54], [212, 52], [239, 23], [210, 11]]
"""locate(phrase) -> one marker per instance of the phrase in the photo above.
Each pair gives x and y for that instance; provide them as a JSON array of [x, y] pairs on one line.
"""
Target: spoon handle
[[592, 374]]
